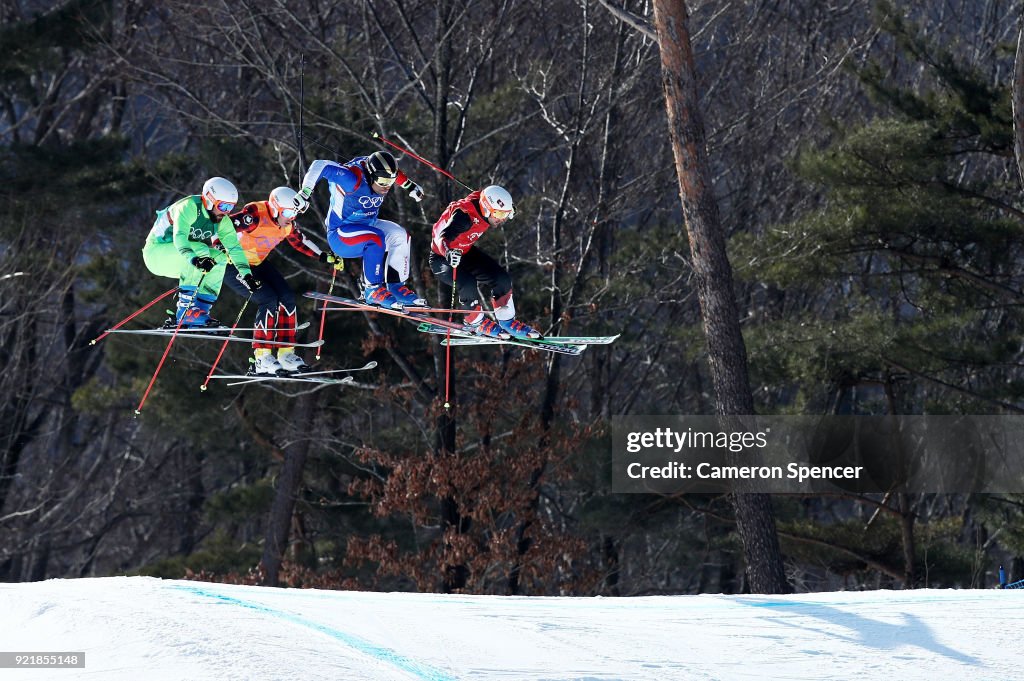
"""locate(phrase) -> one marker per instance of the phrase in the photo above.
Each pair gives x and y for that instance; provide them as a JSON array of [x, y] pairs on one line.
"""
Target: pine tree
[[901, 294]]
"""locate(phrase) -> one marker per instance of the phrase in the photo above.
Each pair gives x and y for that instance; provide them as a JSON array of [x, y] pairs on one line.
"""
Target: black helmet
[[381, 165]]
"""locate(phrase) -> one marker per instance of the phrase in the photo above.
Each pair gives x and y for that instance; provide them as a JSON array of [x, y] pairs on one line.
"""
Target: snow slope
[[138, 628]]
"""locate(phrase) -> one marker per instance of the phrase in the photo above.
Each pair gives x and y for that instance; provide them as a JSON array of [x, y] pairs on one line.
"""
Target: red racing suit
[[446, 236]]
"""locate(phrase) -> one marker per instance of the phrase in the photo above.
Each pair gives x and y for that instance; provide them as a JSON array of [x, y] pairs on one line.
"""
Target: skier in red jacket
[[452, 248]]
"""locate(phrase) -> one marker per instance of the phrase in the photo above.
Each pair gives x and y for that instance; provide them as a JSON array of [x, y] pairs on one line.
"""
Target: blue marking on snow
[[375, 651]]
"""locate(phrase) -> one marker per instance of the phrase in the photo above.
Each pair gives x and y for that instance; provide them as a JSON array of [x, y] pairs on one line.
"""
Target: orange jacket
[[259, 234]]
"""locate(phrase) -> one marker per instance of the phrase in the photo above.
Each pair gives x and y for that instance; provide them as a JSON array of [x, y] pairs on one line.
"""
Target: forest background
[[862, 158]]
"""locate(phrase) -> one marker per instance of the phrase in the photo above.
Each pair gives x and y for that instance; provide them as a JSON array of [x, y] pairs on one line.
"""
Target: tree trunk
[[454, 573], [907, 519], [288, 481], [610, 558], [713, 276], [1018, 101]]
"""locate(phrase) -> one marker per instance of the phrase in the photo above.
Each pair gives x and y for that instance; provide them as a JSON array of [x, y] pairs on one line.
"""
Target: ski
[[465, 332], [301, 374], [539, 344], [222, 329], [412, 314], [210, 335], [372, 364], [250, 329], [431, 310], [559, 340], [245, 379], [466, 338]]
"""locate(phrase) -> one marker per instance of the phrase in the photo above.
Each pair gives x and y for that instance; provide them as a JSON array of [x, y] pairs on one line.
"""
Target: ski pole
[[133, 315], [323, 312], [234, 326], [324, 146], [448, 345], [302, 96], [167, 350], [224, 345], [405, 151]]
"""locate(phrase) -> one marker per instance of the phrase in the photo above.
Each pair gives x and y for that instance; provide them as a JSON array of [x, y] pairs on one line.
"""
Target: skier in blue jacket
[[354, 230]]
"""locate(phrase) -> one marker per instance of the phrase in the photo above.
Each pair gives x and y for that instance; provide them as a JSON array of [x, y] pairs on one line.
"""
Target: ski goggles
[[289, 213], [500, 214], [384, 181], [221, 206]]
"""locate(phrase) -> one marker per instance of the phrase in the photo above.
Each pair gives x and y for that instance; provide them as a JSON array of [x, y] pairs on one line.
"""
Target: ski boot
[[379, 296], [292, 362], [265, 364], [209, 325], [517, 329], [406, 296], [193, 313], [490, 329]]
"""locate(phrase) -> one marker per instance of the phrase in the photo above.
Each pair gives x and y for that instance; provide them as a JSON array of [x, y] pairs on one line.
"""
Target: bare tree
[[289, 482], [1018, 100], [713, 278]]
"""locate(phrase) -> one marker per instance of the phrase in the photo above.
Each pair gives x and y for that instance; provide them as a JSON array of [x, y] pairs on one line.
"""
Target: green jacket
[[187, 223]]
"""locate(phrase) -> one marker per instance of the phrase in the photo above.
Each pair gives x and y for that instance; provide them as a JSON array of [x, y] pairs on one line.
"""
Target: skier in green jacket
[[193, 240]]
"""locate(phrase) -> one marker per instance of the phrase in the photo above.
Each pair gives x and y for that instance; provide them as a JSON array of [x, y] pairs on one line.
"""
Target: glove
[[453, 256], [301, 200], [251, 283], [339, 263], [415, 191], [204, 263]]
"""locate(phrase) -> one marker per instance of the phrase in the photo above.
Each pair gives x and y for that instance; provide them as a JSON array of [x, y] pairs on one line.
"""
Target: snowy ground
[[138, 628]]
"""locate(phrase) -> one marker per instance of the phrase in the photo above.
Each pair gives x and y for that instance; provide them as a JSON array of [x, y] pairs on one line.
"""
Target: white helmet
[[220, 194], [495, 198], [283, 199]]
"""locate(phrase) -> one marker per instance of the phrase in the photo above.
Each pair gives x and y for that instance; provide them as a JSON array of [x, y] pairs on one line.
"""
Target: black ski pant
[[476, 269]]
